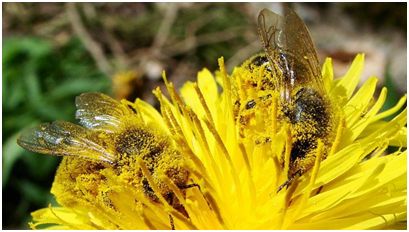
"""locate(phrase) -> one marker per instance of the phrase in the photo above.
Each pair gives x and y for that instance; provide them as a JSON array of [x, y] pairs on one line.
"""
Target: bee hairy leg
[[171, 221], [290, 180], [190, 186], [172, 224], [285, 184]]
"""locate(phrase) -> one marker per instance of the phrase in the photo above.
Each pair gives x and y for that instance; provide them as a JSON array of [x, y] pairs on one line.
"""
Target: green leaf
[[40, 166], [12, 98], [33, 192], [34, 47], [33, 89], [11, 153], [75, 87]]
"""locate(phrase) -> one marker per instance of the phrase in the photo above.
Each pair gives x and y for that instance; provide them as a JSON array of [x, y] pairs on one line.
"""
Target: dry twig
[[243, 54], [195, 41], [164, 29], [93, 47]]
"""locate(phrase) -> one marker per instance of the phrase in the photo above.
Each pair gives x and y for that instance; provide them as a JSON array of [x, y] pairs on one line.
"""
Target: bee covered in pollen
[[112, 137], [287, 77]]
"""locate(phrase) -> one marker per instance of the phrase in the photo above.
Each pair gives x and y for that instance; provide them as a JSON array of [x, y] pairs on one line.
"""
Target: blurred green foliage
[[40, 82]]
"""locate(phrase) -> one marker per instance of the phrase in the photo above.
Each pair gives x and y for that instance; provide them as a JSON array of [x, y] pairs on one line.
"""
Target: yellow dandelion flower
[[357, 186]]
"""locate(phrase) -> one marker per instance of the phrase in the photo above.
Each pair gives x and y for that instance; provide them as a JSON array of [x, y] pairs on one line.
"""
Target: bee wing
[[97, 111], [64, 139], [270, 25], [290, 49]]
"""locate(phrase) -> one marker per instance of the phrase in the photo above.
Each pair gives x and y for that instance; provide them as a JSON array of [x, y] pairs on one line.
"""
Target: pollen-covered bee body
[[113, 137], [287, 77], [298, 81], [253, 90], [258, 66], [310, 119]]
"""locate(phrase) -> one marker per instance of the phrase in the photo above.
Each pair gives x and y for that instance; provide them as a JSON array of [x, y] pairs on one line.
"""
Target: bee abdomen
[[310, 119], [301, 147], [311, 109]]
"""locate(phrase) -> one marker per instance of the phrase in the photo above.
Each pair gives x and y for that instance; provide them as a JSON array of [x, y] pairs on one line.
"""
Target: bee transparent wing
[[302, 46], [270, 29], [290, 49], [97, 111], [64, 139]]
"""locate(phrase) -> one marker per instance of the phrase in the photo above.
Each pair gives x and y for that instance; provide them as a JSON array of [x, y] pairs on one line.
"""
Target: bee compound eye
[[250, 104]]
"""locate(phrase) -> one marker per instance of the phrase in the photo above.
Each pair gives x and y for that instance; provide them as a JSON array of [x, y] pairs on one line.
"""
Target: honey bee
[[304, 102], [111, 136], [290, 67]]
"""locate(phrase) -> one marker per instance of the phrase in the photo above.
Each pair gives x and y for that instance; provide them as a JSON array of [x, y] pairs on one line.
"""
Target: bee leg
[[290, 180], [285, 184], [181, 208], [172, 225], [190, 186]]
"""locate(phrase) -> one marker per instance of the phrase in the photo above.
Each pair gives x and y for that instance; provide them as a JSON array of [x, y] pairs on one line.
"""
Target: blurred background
[[52, 52]]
